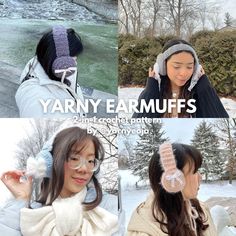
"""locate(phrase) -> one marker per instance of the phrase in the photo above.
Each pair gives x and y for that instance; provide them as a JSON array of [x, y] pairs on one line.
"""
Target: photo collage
[[118, 117]]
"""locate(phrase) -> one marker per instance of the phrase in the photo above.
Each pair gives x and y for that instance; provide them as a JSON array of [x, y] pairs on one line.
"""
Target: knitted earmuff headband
[[172, 179], [160, 65], [64, 65], [41, 166]]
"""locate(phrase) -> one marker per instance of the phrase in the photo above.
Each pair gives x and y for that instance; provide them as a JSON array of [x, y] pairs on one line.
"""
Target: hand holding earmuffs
[[154, 73], [151, 73], [20, 183], [200, 71]]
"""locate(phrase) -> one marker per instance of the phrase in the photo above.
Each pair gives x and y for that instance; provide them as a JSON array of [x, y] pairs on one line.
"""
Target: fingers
[[202, 72], [18, 184], [15, 174], [29, 180], [151, 72], [11, 178]]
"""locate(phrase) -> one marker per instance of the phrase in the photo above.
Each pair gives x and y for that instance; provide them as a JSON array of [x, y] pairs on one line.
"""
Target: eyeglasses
[[76, 161]]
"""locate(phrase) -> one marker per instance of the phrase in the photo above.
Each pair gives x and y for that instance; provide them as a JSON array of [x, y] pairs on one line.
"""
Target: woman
[[172, 207], [71, 200], [178, 75], [50, 77]]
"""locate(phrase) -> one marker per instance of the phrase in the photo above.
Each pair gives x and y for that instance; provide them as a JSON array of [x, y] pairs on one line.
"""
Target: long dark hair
[[46, 51], [167, 92], [169, 209], [62, 145]]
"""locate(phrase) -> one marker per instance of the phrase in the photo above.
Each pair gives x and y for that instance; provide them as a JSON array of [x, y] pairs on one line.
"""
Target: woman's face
[[180, 69], [193, 180], [76, 179]]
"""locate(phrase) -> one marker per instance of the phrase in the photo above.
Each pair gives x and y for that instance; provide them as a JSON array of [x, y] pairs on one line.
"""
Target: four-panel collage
[[118, 118]]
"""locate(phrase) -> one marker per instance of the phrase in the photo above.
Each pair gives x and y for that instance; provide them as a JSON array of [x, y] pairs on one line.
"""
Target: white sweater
[[67, 217], [42, 87]]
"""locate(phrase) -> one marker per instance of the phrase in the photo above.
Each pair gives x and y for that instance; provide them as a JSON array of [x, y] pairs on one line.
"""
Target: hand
[[200, 71], [20, 189], [151, 73]]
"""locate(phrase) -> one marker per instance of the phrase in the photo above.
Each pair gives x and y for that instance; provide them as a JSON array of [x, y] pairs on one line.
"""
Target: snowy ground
[[131, 197], [133, 93]]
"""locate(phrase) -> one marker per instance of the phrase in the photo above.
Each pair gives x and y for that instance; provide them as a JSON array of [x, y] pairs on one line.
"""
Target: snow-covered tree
[[207, 142], [228, 19], [227, 129], [37, 133], [146, 145]]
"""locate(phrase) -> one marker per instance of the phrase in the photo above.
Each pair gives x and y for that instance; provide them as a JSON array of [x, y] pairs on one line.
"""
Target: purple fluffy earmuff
[[64, 65]]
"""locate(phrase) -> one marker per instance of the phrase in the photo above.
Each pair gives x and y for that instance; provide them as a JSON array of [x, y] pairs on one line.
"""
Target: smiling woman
[[177, 74], [71, 201]]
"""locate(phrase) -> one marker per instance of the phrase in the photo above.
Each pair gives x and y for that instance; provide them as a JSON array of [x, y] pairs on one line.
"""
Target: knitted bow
[[69, 70]]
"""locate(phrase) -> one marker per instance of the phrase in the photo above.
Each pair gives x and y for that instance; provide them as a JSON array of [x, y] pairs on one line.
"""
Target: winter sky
[[177, 130], [227, 6], [181, 130], [11, 131]]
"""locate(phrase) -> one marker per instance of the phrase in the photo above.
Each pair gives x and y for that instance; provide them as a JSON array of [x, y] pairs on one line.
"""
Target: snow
[[133, 93], [216, 189], [127, 180], [221, 219], [131, 197], [128, 93]]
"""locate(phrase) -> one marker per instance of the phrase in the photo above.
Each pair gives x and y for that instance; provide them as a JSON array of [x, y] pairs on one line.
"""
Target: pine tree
[[147, 144], [228, 19], [207, 142], [227, 128]]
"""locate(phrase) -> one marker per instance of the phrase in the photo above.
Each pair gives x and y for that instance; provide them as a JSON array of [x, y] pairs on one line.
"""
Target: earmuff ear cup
[[161, 64], [61, 64], [41, 166], [64, 65], [195, 76], [173, 181], [46, 155]]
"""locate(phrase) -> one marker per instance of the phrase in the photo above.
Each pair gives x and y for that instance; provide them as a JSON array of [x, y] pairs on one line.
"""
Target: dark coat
[[208, 104]]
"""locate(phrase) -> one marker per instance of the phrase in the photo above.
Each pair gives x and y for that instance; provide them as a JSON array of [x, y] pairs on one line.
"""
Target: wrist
[[24, 197]]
